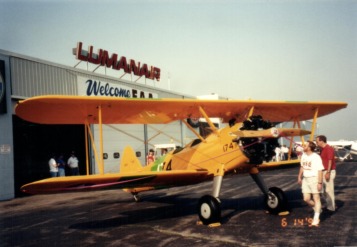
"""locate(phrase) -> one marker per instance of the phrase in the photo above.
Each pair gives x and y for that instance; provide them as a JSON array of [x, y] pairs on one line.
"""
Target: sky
[[261, 50]]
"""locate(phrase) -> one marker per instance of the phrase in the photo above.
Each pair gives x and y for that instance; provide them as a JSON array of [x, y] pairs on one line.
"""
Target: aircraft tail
[[129, 161]]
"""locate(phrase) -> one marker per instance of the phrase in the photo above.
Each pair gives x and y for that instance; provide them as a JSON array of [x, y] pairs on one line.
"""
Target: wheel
[[209, 210], [276, 201]]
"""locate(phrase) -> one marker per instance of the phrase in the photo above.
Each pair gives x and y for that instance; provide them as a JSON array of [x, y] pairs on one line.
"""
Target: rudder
[[129, 161]]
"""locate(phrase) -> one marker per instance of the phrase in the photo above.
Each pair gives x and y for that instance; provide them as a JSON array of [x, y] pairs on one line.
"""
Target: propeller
[[270, 133], [258, 138]]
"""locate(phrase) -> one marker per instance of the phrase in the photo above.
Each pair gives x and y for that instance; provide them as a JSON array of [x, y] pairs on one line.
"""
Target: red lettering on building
[[102, 58]]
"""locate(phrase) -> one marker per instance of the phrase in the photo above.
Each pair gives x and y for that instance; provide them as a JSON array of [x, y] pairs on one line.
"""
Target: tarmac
[[168, 217]]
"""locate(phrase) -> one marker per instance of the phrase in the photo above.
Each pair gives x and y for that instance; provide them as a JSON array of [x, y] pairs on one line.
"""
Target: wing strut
[[291, 141], [94, 148], [314, 124], [214, 129], [301, 137], [248, 114], [86, 145], [100, 165], [251, 112], [194, 131]]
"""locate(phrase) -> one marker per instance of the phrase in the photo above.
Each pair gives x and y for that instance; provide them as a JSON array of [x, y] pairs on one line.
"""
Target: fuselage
[[217, 149]]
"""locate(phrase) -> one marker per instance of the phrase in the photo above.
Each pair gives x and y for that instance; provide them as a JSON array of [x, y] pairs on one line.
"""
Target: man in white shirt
[[310, 177], [73, 164], [277, 154], [284, 152], [53, 167]]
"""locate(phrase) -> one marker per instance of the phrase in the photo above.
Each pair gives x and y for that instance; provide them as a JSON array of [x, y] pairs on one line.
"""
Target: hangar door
[[35, 143]]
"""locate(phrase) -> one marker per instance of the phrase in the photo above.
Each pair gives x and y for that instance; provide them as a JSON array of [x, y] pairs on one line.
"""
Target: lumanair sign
[[92, 87], [111, 61]]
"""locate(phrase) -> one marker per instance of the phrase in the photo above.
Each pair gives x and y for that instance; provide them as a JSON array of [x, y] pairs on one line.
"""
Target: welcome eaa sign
[[93, 87]]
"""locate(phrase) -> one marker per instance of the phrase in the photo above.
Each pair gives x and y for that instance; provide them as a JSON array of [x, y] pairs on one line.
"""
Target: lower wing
[[163, 179]]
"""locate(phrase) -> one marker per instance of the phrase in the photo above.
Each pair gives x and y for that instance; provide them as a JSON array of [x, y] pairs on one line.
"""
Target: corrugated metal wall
[[33, 78]]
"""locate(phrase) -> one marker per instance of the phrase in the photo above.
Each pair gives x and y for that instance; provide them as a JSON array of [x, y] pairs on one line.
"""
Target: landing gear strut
[[209, 207], [136, 196], [258, 151], [275, 199]]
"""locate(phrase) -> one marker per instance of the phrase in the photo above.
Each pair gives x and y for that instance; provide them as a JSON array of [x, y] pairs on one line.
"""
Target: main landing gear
[[275, 199], [209, 210], [276, 202], [209, 206]]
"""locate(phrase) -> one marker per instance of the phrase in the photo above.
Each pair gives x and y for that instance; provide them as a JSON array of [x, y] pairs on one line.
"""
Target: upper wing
[[153, 180], [54, 109]]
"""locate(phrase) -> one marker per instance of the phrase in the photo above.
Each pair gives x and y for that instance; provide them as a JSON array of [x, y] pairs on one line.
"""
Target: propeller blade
[[270, 133]]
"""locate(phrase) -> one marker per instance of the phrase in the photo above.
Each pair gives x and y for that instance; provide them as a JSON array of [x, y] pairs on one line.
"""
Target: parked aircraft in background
[[345, 150]]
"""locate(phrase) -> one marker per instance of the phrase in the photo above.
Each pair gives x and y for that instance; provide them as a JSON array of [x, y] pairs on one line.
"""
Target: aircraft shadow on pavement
[[173, 206], [181, 205], [184, 204]]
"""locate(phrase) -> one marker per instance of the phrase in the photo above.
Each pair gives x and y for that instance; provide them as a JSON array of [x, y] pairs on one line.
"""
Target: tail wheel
[[209, 209], [136, 196], [276, 201]]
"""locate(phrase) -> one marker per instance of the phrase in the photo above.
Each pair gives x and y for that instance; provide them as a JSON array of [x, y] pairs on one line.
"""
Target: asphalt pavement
[[168, 217]]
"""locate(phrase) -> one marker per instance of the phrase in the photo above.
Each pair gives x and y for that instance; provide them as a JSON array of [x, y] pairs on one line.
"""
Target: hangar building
[[25, 147]]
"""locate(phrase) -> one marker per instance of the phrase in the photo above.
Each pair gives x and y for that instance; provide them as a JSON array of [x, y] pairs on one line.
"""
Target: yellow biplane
[[246, 143]]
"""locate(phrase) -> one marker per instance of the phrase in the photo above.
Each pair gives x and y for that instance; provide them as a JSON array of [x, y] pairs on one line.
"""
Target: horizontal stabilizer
[[129, 162], [270, 133]]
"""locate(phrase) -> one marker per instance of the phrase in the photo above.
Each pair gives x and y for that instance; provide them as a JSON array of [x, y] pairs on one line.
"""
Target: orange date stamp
[[295, 221]]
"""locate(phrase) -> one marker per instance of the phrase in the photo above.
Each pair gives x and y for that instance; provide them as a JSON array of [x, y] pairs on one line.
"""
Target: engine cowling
[[256, 149]]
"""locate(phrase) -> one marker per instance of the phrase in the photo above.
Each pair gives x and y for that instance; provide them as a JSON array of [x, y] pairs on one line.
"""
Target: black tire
[[276, 202], [209, 210]]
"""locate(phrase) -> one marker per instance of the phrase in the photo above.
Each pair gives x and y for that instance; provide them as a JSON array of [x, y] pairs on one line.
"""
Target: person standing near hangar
[[53, 166], [73, 164]]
